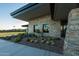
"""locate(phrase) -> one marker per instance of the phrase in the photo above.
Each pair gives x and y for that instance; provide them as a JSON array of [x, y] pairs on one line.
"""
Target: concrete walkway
[[13, 49]]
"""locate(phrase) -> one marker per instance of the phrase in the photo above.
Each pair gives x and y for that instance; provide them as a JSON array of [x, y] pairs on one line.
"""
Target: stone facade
[[71, 46], [54, 26]]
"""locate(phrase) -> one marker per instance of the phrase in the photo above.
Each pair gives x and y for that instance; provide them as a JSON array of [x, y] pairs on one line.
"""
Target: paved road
[[13, 49]]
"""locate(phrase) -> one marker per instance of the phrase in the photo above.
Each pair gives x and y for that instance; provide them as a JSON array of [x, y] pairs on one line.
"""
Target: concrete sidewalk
[[13, 49]]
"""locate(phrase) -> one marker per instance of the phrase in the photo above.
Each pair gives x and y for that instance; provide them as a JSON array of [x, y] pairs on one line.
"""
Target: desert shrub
[[29, 40]]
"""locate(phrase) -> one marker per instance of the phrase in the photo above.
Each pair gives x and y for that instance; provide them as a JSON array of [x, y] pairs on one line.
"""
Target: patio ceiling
[[62, 10], [31, 11]]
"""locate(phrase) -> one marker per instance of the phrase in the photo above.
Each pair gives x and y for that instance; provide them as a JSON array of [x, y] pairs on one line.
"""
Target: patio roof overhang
[[61, 10], [58, 11], [31, 11]]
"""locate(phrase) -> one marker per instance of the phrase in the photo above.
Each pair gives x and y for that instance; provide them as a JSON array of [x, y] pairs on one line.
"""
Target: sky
[[6, 20]]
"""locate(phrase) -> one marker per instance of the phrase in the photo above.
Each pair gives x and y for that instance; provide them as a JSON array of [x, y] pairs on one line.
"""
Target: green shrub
[[17, 39]]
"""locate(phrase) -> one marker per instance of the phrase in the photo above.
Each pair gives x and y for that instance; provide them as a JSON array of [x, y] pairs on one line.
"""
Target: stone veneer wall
[[54, 26], [71, 46]]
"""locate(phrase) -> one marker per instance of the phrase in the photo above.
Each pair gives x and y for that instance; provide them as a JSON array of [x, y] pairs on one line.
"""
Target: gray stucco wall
[[54, 26]]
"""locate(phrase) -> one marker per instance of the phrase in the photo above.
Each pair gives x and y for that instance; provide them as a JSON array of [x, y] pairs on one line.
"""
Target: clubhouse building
[[51, 19]]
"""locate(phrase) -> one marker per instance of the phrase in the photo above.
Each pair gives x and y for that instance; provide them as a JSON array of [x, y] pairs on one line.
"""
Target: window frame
[[45, 30]]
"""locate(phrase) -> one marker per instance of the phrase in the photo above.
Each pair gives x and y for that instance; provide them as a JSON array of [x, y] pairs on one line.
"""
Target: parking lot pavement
[[13, 49]]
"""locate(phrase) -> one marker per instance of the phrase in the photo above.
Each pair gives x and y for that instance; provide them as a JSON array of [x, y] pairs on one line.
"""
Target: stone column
[[71, 46]]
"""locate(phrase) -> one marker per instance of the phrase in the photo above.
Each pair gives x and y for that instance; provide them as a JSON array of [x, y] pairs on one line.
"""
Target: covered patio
[[47, 22]]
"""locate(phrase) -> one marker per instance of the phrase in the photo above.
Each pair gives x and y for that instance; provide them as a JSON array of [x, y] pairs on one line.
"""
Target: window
[[36, 28], [63, 27], [45, 28]]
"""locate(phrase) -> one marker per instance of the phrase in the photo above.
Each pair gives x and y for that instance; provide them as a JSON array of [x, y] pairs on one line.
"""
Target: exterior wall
[[54, 26], [71, 46]]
